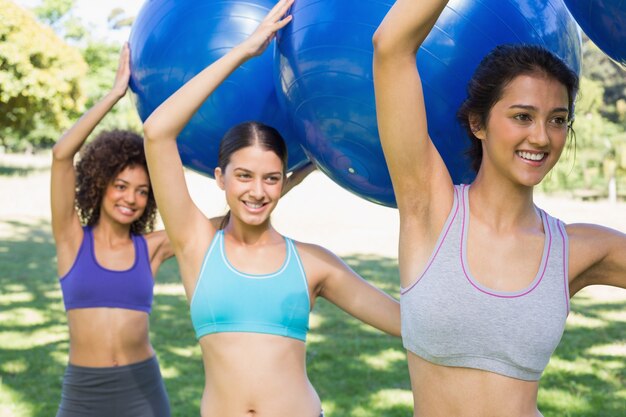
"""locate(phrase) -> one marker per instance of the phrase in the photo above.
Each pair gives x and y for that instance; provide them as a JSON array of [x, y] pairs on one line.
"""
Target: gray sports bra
[[450, 319]]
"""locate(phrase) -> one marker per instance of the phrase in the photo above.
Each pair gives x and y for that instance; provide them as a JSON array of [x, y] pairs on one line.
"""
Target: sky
[[94, 14]]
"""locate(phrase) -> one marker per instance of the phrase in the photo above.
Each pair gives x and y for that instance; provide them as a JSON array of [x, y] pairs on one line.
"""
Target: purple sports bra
[[89, 285]]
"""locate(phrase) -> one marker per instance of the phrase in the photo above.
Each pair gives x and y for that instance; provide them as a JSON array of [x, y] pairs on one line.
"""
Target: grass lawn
[[357, 371]]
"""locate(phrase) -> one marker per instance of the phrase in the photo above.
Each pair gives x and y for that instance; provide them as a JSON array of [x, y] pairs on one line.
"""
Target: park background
[[55, 64]]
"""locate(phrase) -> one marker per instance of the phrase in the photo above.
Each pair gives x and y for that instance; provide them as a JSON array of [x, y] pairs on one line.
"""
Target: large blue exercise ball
[[173, 40], [324, 77], [604, 21]]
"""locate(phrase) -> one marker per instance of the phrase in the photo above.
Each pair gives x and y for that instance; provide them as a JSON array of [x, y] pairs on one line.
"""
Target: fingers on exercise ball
[[172, 41]]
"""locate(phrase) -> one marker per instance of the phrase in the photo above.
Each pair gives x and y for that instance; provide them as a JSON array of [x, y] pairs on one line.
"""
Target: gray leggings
[[135, 390]]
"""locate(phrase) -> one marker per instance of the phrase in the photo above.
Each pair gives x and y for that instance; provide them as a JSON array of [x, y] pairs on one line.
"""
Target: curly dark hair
[[100, 161]]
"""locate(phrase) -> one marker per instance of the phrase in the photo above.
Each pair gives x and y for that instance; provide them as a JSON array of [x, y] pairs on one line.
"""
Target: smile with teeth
[[126, 210], [253, 205], [531, 156]]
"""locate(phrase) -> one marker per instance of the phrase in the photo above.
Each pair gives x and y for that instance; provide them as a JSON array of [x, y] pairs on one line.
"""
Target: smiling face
[[526, 130], [126, 197], [252, 181]]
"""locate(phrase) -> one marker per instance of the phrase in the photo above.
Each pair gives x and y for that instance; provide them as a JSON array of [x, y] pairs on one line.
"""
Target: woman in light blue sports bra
[[250, 288], [486, 275]]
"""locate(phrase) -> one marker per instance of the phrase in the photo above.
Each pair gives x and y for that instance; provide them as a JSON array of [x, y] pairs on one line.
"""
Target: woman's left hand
[[275, 20]]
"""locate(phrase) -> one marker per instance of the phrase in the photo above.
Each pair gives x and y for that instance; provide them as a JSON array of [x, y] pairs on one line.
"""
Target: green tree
[[593, 158], [118, 19], [597, 66], [100, 55], [40, 80], [98, 59]]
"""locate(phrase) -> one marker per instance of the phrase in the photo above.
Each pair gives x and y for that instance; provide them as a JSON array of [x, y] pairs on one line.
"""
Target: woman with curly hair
[[103, 214]]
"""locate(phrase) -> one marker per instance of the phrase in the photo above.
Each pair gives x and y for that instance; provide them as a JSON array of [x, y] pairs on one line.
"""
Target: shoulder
[[588, 234], [586, 240], [156, 237], [596, 256], [317, 258], [312, 251], [158, 245]]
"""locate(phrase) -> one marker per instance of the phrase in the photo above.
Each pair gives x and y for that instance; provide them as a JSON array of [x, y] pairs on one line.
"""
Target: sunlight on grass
[[315, 338], [55, 295], [330, 408], [384, 360], [367, 328], [190, 354], [22, 317], [15, 288], [12, 404], [613, 349], [615, 315], [14, 367], [315, 320], [185, 352], [578, 320], [61, 356], [380, 402], [572, 368], [565, 401], [16, 297], [21, 341], [388, 398], [169, 289]]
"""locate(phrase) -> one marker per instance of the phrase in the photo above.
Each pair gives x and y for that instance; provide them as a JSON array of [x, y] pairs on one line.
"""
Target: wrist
[[242, 52], [114, 95]]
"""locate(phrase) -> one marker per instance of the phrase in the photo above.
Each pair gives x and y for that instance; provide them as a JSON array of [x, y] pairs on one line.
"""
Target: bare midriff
[[256, 375], [443, 391], [107, 337]]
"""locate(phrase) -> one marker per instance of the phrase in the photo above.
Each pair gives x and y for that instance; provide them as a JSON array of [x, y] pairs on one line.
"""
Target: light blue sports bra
[[227, 300]]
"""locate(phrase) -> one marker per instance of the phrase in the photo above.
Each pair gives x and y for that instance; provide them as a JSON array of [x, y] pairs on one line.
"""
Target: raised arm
[[297, 176], [183, 220], [66, 227], [340, 285], [420, 179], [597, 256]]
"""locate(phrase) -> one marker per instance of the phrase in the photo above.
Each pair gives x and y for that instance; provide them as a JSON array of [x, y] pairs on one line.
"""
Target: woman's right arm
[[417, 170], [66, 227], [422, 184], [183, 221]]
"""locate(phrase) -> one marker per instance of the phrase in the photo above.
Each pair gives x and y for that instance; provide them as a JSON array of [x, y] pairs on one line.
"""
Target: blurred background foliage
[[52, 69]]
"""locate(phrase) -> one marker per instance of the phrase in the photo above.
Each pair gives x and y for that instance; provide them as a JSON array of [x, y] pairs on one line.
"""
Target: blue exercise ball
[[604, 21], [324, 77], [173, 40]]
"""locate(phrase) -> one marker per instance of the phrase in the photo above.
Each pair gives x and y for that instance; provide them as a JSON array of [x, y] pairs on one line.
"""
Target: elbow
[[381, 43], [390, 48], [59, 153], [56, 153], [150, 131]]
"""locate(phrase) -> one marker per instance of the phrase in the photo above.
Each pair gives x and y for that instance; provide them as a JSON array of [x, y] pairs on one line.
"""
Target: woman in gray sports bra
[[486, 275]]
